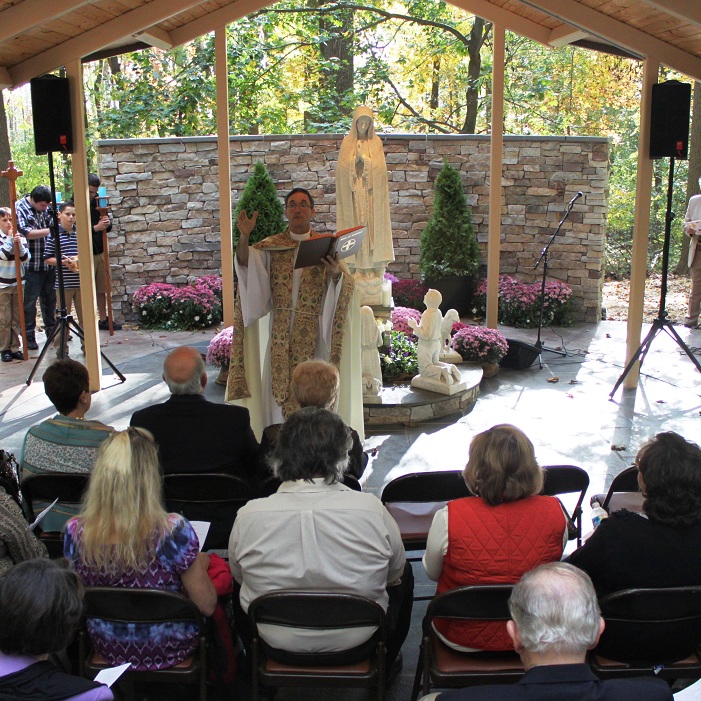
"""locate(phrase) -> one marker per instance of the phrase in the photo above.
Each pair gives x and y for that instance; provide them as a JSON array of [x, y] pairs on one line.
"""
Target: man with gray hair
[[555, 620], [194, 434]]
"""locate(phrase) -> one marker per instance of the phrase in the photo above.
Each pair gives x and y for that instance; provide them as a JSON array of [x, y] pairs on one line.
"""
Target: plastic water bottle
[[598, 514]]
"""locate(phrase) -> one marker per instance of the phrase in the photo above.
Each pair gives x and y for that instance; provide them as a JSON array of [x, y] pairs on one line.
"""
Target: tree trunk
[[5, 153], [692, 184], [478, 34], [435, 83], [337, 53]]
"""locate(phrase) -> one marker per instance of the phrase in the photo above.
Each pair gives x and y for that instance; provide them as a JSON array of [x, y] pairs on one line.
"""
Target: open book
[[341, 244], [693, 228]]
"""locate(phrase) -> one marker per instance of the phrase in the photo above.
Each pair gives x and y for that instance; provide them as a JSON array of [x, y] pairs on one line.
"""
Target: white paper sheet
[[110, 676], [38, 519], [201, 528]]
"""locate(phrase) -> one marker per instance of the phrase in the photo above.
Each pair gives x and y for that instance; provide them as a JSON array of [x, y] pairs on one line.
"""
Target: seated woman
[[41, 604], [17, 542], [123, 537], [496, 536], [316, 383], [659, 548]]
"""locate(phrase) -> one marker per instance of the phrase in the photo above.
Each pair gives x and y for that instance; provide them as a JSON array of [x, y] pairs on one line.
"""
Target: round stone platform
[[404, 404]]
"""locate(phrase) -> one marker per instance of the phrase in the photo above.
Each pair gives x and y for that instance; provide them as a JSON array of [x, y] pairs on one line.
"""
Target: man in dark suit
[[555, 620], [194, 434]]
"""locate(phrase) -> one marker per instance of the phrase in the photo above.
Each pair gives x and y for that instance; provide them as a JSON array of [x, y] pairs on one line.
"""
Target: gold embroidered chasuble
[[289, 347]]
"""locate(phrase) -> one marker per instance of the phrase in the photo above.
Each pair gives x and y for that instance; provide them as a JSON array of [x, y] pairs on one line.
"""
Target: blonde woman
[[497, 535], [123, 537]]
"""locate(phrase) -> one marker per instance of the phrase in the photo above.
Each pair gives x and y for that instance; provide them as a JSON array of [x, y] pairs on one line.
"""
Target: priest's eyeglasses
[[298, 205]]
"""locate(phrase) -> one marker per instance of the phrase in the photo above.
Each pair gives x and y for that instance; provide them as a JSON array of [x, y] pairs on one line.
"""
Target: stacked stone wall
[[165, 201]]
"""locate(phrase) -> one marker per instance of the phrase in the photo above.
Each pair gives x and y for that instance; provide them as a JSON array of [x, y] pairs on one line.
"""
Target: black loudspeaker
[[669, 126], [51, 113]]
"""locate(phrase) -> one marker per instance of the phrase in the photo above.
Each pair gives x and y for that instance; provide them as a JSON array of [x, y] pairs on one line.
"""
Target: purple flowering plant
[[400, 315], [519, 302], [391, 278], [400, 360], [219, 349], [480, 343], [165, 306], [409, 293]]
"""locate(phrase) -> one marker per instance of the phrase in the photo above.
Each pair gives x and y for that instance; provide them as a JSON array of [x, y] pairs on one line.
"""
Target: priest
[[284, 316]]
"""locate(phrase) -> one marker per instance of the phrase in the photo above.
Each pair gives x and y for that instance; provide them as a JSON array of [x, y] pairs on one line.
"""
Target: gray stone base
[[406, 405]]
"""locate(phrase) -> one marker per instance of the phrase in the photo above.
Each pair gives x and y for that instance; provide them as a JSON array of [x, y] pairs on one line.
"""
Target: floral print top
[[145, 646]]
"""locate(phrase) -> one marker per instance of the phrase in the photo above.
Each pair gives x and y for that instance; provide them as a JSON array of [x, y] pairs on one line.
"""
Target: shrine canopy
[[39, 36]]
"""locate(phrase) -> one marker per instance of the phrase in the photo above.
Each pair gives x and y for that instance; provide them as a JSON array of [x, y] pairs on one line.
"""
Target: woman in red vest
[[497, 535]]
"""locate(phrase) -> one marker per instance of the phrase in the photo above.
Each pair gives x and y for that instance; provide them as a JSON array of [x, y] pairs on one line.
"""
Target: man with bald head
[[194, 434]]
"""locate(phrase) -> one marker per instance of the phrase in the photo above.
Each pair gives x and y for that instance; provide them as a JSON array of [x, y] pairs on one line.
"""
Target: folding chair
[[67, 487], [650, 632], [209, 497], [319, 611], [624, 492], [270, 485], [414, 499], [441, 666], [125, 606], [567, 479]]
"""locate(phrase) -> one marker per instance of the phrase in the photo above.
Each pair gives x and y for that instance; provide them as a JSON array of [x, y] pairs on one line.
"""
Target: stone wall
[[164, 197]]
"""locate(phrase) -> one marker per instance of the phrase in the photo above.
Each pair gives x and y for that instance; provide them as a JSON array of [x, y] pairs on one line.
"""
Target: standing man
[[692, 227], [312, 314], [34, 222], [99, 224]]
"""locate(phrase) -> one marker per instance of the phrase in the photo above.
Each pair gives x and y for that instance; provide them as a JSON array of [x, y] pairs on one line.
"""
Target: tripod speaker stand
[[661, 322], [64, 321]]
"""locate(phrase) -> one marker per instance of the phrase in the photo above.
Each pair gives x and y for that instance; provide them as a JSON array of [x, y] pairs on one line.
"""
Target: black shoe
[[6, 356], [105, 325], [18, 355], [32, 344]]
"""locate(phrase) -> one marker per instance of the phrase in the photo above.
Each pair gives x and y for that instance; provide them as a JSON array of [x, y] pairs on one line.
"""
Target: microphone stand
[[65, 323], [661, 322], [544, 257]]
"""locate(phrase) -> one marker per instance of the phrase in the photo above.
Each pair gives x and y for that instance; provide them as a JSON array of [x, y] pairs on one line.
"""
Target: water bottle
[[598, 514]]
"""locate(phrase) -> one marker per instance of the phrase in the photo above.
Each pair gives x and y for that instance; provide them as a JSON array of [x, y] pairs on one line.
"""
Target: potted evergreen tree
[[450, 255], [260, 194]]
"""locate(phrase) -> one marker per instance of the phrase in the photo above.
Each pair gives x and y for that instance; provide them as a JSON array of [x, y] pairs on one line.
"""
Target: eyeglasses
[[298, 205]]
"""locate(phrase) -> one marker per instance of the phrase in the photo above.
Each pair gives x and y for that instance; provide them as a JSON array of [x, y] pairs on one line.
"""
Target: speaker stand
[[661, 322], [64, 322]]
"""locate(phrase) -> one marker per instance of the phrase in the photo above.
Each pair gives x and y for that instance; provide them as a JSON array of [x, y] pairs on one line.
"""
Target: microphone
[[575, 198]]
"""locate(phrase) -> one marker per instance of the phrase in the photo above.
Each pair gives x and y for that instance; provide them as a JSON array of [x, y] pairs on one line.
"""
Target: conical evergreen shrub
[[260, 194], [448, 243]]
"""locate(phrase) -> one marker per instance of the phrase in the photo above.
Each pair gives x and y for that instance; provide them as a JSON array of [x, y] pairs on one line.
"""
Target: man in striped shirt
[[71, 278]]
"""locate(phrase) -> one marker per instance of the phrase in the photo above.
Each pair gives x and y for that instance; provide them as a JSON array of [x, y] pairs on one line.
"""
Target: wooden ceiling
[[39, 36]]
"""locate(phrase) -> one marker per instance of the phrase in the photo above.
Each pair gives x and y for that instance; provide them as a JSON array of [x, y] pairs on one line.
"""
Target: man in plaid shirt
[[33, 222]]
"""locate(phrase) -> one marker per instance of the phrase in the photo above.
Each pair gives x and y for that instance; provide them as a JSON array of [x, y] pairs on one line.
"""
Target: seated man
[[315, 534], [194, 434], [555, 620], [68, 442], [316, 383]]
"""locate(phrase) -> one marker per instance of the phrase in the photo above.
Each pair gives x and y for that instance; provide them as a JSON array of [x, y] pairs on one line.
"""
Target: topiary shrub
[[448, 243], [260, 195]]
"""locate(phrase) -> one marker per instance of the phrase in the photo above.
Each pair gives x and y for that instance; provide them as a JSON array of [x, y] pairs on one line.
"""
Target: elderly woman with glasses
[[662, 546], [123, 537]]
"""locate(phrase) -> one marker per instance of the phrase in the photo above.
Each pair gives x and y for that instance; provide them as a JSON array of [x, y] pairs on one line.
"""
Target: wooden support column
[[223, 153], [641, 225], [495, 173], [79, 162]]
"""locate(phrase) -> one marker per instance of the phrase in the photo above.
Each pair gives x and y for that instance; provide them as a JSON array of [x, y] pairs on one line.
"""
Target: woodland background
[[422, 66]]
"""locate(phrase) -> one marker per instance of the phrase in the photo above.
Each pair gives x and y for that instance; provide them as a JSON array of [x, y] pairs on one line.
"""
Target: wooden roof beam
[[155, 36], [93, 40], [30, 14], [565, 34], [687, 10], [619, 33], [5, 80]]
